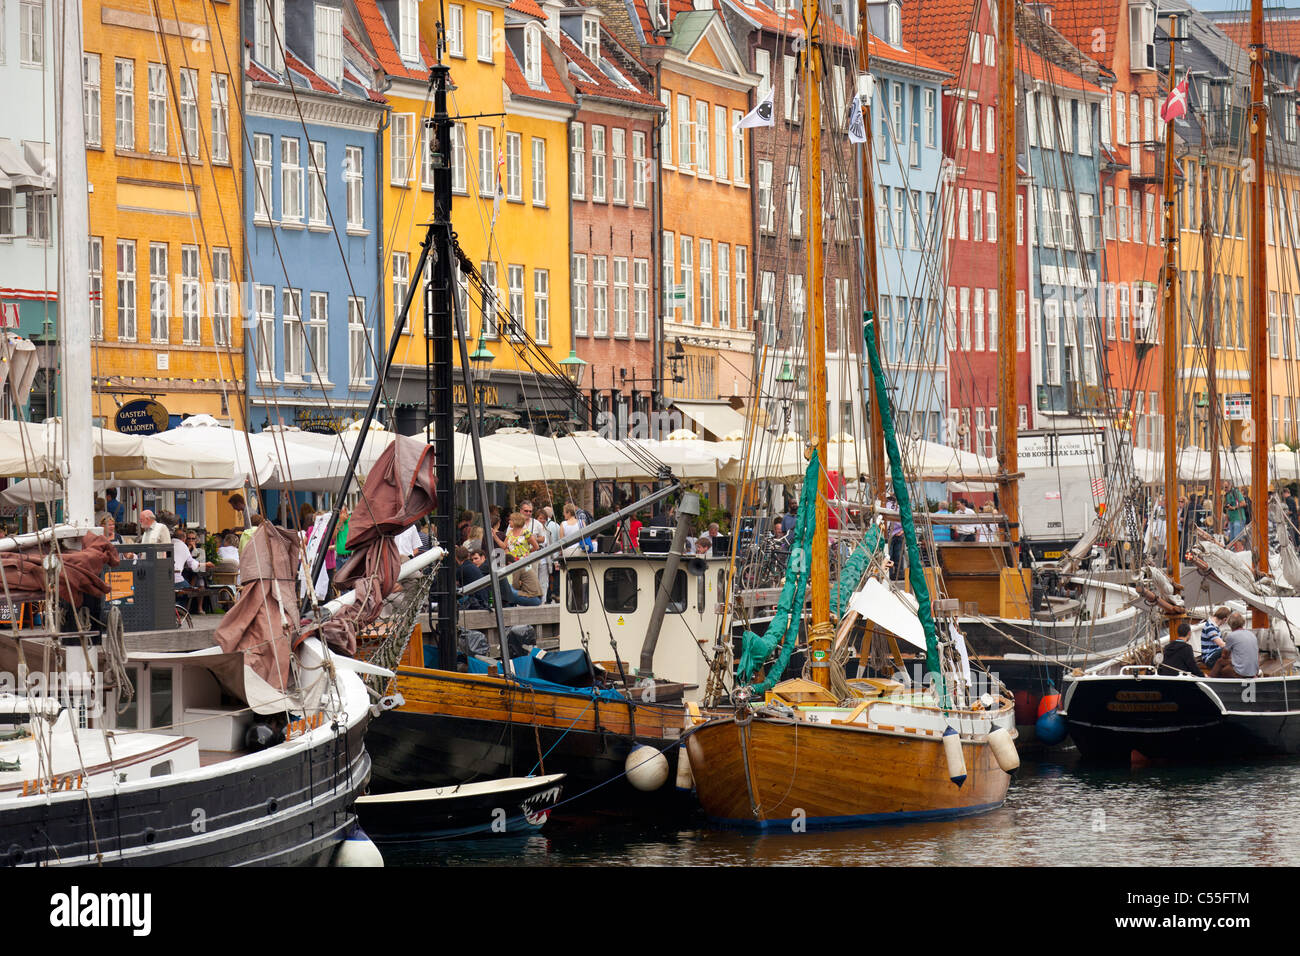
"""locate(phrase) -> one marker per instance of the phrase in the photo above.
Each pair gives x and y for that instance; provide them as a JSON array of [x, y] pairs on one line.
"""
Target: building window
[[766, 209], [578, 295], [90, 93], [157, 109], [318, 336], [515, 289], [720, 142], [401, 285], [965, 320], [220, 107], [399, 139], [577, 160], [539, 171], [491, 296], [790, 72], [358, 342], [96, 263], [591, 39], [293, 337], [670, 275], [640, 170], [485, 39], [159, 293], [977, 214], [38, 215], [290, 180], [355, 175], [329, 43], [514, 167], [126, 290], [742, 287], [702, 138], [666, 130], [456, 30], [688, 278], [598, 166], [124, 103], [737, 148], [408, 30], [706, 282], [641, 297], [268, 37], [793, 203], [618, 179], [221, 297], [191, 293], [724, 285], [978, 319], [262, 170], [459, 161], [31, 32], [317, 210], [533, 55], [541, 306], [685, 141], [620, 298], [264, 346], [599, 295]]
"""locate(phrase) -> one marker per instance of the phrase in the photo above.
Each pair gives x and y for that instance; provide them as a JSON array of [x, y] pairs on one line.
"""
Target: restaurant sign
[[143, 416]]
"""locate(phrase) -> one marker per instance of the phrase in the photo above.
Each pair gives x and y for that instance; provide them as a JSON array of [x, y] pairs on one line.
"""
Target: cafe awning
[[15, 167], [716, 416]]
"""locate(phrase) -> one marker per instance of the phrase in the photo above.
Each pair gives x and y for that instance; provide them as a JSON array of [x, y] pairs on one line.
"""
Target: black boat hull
[[413, 751], [293, 810], [1182, 718], [482, 811]]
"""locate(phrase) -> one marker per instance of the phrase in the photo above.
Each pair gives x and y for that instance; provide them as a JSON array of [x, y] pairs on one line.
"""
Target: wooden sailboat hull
[[459, 728], [1182, 718], [772, 773]]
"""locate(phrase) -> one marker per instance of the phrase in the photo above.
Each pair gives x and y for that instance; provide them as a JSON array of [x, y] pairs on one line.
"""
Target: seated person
[[1212, 636], [525, 591], [110, 530], [470, 566], [228, 553], [1178, 655], [1240, 657]]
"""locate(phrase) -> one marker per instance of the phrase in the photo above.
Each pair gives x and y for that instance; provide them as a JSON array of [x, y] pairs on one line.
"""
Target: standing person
[[341, 552], [987, 532], [1240, 657], [964, 532], [153, 531], [571, 526], [241, 511], [1234, 507], [113, 506], [942, 532], [534, 528]]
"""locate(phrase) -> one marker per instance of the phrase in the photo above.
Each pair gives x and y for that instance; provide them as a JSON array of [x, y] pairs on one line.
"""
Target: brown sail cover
[[398, 492], [82, 574], [259, 623]]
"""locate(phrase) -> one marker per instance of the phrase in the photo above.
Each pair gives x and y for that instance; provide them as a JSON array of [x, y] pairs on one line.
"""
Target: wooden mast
[[871, 287], [1258, 437], [1008, 405], [820, 632], [1214, 408], [1170, 351]]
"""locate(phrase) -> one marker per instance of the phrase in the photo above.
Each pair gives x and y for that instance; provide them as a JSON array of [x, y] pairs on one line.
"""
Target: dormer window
[[533, 55], [1142, 36], [591, 39], [329, 43], [895, 26], [268, 33], [408, 30]]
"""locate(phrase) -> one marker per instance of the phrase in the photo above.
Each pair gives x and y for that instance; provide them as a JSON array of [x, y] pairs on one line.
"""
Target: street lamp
[[574, 367], [481, 358]]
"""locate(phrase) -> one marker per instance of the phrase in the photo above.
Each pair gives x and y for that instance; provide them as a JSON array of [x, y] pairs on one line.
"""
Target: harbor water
[[1057, 813]]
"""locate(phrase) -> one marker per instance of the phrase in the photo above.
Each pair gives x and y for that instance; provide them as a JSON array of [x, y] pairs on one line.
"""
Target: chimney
[[552, 9]]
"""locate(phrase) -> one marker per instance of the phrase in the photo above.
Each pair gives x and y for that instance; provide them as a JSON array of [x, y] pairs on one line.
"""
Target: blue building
[[313, 297], [907, 132], [1063, 96]]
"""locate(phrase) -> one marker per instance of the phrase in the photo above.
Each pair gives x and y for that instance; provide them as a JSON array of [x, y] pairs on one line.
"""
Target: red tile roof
[[600, 84], [1279, 34], [314, 79], [1079, 20], [942, 31], [1027, 61], [259, 75], [878, 49], [642, 11], [518, 86], [361, 49], [381, 38], [789, 22], [529, 7]]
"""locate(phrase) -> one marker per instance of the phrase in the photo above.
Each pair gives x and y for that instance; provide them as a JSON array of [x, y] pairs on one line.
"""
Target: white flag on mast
[[764, 114], [857, 131]]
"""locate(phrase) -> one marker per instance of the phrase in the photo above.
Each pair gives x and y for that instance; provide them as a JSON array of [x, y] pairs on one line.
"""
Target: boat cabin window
[[677, 598], [576, 599], [620, 590], [160, 697], [161, 769], [129, 718], [700, 589]]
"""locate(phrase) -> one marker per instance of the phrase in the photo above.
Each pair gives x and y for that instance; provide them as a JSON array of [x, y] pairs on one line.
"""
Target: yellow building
[[513, 139], [166, 250]]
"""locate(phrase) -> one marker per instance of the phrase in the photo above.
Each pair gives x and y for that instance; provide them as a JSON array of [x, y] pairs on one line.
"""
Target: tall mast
[[871, 286], [1008, 404], [1258, 324], [820, 633], [74, 271], [1170, 351]]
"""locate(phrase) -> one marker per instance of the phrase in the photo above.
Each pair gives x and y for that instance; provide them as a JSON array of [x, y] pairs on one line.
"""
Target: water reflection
[[1057, 814]]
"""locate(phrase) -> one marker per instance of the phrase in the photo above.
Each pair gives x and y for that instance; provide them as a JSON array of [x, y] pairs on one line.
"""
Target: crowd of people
[[1229, 649]]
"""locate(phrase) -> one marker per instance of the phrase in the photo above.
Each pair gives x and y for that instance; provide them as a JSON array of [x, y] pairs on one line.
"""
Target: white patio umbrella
[[36, 450]]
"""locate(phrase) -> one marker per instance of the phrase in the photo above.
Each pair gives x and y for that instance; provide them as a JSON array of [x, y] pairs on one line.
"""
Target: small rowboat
[[488, 808]]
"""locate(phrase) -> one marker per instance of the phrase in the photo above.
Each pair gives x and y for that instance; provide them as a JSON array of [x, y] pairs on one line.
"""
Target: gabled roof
[[595, 81], [1079, 20], [529, 7], [942, 31], [553, 90], [765, 17], [641, 14], [878, 49], [379, 33], [1282, 35]]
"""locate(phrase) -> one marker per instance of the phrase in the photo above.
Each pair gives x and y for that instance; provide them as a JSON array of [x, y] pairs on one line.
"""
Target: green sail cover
[[919, 587], [783, 630], [851, 575]]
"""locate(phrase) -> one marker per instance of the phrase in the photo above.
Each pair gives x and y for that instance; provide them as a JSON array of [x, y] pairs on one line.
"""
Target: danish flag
[[1175, 104]]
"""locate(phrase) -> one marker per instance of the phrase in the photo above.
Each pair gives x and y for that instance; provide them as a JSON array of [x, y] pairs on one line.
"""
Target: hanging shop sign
[[143, 416]]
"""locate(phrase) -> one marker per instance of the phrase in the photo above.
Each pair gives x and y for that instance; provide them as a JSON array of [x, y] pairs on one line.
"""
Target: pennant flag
[[857, 132], [764, 114], [499, 191], [1175, 104]]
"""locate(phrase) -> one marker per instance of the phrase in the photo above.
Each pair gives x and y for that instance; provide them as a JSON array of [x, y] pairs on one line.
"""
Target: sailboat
[[825, 751], [1130, 704]]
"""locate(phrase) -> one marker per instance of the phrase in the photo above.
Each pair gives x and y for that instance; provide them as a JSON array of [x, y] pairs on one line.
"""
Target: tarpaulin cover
[[82, 573], [526, 672], [260, 622]]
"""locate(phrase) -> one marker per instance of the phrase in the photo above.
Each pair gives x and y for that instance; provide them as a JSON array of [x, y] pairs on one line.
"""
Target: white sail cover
[[886, 608]]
